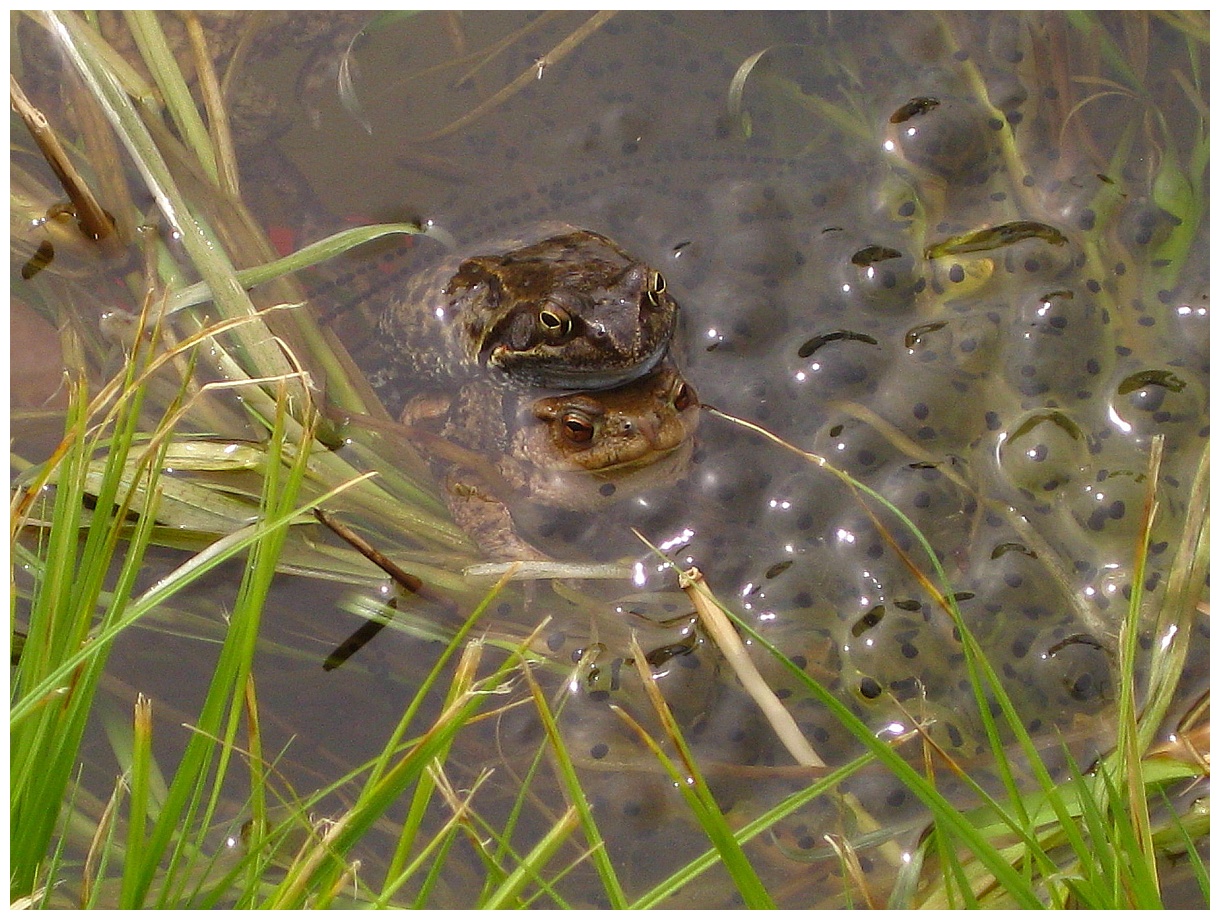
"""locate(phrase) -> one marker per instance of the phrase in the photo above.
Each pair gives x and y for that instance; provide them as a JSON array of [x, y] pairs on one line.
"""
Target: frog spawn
[[993, 393], [985, 389]]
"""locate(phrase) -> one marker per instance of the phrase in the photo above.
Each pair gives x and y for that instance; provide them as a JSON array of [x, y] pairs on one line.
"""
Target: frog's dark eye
[[555, 323], [684, 397], [656, 287], [576, 428]]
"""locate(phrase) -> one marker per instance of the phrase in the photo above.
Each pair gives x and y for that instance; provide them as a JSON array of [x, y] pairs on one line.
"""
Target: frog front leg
[[485, 518]]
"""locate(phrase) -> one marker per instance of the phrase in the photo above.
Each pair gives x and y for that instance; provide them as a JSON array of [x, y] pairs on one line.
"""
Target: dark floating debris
[[920, 105], [38, 261]]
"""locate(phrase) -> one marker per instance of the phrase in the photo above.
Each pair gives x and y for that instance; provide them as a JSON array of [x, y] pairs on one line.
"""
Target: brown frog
[[575, 451], [566, 309]]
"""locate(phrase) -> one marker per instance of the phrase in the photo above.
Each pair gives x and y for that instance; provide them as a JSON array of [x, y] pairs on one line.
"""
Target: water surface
[[806, 183]]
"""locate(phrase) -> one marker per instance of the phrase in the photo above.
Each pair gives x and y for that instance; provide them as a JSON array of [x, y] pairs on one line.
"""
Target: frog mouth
[[627, 467], [659, 459], [662, 467], [530, 368], [591, 490]]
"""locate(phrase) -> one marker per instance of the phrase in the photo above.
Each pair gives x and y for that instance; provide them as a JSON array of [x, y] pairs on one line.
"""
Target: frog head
[[571, 311]]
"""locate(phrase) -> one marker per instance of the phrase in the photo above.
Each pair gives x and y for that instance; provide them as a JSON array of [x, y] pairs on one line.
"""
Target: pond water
[[940, 252]]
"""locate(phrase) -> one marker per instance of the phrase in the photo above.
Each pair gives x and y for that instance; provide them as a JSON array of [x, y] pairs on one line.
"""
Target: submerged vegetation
[[194, 438]]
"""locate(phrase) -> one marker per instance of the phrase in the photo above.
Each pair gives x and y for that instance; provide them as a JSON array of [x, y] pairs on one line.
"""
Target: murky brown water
[[1003, 395]]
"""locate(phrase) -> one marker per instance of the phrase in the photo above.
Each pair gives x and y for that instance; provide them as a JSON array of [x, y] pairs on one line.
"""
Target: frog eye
[[656, 287], [684, 397], [576, 427], [555, 323]]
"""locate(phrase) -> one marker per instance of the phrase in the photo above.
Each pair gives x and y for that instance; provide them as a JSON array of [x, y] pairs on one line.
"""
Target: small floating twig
[[539, 569], [402, 577]]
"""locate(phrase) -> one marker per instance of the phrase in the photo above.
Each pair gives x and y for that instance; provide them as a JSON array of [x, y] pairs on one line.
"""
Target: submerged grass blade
[[312, 254], [532, 73], [154, 48], [213, 101]]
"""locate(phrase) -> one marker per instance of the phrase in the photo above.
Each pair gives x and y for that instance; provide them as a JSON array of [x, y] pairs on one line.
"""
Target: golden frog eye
[[656, 287], [555, 323], [576, 428]]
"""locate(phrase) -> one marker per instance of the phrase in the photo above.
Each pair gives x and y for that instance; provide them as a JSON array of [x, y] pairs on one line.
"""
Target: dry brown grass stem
[[95, 223]]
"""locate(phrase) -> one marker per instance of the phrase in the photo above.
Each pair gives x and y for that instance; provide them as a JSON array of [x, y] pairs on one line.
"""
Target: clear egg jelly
[[998, 374]]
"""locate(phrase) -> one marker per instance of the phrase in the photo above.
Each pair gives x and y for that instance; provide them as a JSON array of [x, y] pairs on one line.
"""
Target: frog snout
[[639, 427], [650, 429]]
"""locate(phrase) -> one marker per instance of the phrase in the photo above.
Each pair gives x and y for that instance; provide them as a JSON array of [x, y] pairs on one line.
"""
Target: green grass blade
[[222, 707], [210, 260], [138, 800], [165, 588], [313, 254], [576, 796], [689, 780], [54, 682], [530, 867], [764, 822], [154, 48]]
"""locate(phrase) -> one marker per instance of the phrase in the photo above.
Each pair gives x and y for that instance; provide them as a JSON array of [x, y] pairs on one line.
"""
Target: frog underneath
[[576, 451]]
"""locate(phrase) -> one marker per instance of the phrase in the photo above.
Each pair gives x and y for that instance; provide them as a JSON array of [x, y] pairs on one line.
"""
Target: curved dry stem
[[1079, 106]]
